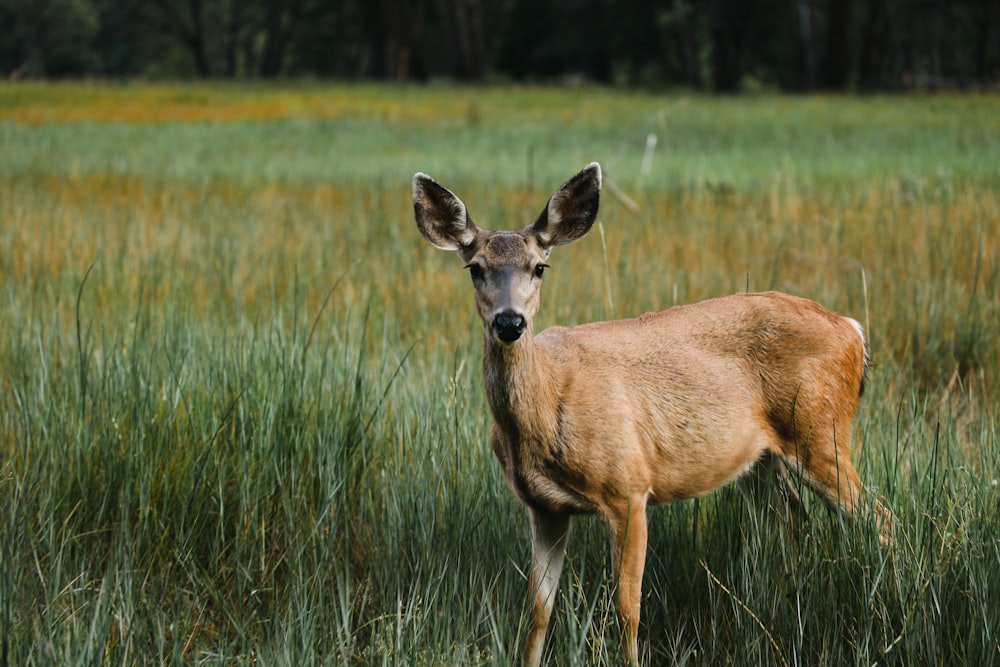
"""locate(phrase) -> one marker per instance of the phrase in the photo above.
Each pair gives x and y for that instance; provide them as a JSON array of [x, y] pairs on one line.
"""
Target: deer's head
[[507, 266]]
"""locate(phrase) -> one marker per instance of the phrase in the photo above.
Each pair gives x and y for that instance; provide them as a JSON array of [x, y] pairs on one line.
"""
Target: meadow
[[241, 417]]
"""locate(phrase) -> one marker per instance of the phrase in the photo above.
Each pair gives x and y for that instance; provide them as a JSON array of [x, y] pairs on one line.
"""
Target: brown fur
[[610, 417]]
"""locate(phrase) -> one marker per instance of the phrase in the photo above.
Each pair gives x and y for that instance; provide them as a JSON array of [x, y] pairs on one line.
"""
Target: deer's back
[[767, 338]]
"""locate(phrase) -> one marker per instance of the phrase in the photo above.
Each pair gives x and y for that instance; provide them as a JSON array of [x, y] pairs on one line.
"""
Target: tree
[[280, 22], [692, 73], [184, 21], [731, 28], [808, 46], [785, 44], [837, 61], [50, 38]]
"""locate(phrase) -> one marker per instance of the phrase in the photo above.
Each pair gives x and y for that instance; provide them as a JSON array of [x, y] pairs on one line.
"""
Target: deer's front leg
[[628, 557], [549, 534]]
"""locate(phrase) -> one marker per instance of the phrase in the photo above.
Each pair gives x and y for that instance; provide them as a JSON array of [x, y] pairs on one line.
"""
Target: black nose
[[508, 326]]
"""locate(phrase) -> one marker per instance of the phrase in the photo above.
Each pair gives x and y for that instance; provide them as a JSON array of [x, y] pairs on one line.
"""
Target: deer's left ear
[[571, 211]]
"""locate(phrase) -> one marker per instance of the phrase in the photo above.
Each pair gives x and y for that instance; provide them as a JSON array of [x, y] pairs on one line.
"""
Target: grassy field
[[241, 419]]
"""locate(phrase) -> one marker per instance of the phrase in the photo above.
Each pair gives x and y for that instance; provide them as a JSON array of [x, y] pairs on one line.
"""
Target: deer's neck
[[520, 388]]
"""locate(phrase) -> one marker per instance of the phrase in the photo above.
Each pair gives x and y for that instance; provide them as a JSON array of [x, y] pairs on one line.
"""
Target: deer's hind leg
[[825, 466]]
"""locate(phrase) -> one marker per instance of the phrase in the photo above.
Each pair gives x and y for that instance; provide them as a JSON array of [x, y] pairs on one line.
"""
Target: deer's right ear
[[441, 216]]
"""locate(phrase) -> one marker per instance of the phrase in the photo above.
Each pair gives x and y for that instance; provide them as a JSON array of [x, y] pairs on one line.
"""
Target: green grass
[[241, 411]]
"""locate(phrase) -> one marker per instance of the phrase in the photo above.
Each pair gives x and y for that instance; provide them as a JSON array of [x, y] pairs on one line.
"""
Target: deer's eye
[[475, 271], [540, 269]]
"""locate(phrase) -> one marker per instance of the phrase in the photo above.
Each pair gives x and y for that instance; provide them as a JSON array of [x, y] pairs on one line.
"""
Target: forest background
[[716, 45]]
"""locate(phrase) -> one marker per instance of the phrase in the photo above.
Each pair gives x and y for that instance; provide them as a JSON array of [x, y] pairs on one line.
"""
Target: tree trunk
[[692, 76], [875, 39], [231, 36], [730, 27], [837, 70], [468, 27], [986, 41], [281, 22], [188, 30], [808, 51], [399, 26], [198, 39]]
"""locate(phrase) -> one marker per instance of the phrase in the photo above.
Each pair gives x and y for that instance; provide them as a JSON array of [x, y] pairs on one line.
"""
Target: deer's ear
[[441, 216], [571, 211]]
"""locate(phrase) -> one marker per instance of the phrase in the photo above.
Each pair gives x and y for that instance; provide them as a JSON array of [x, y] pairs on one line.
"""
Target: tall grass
[[241, 411]]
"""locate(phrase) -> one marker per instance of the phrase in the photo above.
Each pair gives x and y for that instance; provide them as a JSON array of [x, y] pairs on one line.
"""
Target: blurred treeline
[[717, 45]]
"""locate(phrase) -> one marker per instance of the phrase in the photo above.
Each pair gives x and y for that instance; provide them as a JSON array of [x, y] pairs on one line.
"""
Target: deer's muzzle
[[508, 326]]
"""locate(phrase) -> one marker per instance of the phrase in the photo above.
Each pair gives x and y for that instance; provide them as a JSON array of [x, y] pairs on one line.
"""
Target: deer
[[613, 417]]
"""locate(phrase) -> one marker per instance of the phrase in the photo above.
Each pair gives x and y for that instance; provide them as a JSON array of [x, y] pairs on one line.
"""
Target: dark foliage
[[720, 45]]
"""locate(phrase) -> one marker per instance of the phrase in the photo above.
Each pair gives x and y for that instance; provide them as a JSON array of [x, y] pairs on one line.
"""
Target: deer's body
[[611, 417], [669, 405]]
